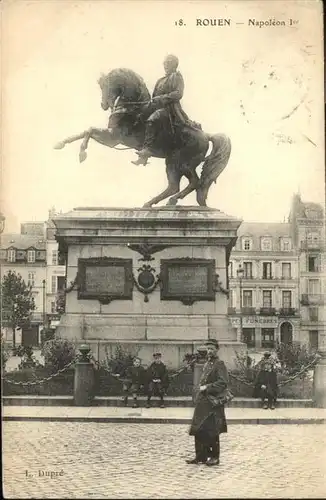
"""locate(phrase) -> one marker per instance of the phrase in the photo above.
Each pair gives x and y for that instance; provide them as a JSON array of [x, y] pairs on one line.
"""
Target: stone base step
[[116, 401]]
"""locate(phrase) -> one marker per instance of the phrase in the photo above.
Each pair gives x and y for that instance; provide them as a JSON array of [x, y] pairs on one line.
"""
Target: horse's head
[[103, 83], [124, 84]]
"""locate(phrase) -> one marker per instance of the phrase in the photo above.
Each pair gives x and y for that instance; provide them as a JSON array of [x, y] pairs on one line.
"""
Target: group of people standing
[[212, 394]]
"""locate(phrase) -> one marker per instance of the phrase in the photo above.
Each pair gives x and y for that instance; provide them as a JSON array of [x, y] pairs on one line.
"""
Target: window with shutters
[[54, 284], [247, 298], [267, 298], [286, 299], [31, 279], [11, 255], [247, 267], [267, 270], [286, 270], [30, 256]]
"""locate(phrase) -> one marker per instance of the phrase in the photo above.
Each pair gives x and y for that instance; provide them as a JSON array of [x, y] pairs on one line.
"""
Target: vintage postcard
[[163, 270]]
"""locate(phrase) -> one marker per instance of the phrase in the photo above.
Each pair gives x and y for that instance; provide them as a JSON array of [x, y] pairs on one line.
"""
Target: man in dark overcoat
[[266, 382], [165, 104], [209, 421]]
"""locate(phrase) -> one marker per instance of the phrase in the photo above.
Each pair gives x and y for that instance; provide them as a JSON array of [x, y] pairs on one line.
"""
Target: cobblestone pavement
[[98, 460]]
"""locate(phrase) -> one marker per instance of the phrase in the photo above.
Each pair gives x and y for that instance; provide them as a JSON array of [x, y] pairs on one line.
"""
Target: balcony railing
[[267, 311], [288, 311], [248, 310], [312, 298]]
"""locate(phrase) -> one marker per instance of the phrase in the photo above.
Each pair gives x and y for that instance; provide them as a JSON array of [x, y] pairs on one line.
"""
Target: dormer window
[[266, 244], [285, 244], [11, 255], [30, 256], [246, 243]]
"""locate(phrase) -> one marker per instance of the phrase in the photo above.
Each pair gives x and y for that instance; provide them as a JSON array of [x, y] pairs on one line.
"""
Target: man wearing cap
[[158, 380], [209, 420], [266, 382]]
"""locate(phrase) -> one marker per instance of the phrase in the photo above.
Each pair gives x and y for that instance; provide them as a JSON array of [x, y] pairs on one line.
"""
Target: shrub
[[58, 353], [294, 357], [120, 361], [61, 385], [28, 359], [5, 353]]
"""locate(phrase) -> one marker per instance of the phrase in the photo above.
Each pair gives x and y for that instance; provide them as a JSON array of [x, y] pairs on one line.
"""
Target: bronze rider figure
[[165, 104]]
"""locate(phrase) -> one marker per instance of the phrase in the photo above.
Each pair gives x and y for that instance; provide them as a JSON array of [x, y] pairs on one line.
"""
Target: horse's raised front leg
[[173, 187], [102, 136], [72, 138]]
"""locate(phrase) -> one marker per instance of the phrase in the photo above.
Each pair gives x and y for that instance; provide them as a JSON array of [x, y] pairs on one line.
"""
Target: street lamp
[[43, 284], [240, 275], [2, 222]]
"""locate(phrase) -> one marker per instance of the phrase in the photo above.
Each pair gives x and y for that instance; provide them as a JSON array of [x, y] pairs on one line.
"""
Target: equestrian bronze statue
[[157, 126]]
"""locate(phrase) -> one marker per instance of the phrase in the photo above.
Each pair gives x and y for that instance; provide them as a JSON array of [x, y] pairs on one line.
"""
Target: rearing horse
[[183, 146]]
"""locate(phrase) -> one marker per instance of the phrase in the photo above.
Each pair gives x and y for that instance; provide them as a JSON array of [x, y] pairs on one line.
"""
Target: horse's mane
[[127, 83]]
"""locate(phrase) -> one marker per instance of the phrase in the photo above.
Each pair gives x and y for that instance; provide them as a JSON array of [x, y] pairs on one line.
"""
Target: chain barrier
[[172, 376], [301, 372], [183, 368], [40, 381], [281, 384], [118, 377]]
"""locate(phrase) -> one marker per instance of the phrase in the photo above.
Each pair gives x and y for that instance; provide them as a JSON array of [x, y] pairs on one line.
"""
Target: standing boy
[[158, 380]]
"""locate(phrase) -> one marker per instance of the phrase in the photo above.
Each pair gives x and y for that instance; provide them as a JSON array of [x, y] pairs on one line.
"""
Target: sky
[[263, 87]]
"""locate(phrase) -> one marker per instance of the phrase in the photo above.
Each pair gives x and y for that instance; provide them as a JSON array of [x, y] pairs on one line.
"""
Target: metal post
[[241, 324], [84, 378], [44, 312], [240, 273]]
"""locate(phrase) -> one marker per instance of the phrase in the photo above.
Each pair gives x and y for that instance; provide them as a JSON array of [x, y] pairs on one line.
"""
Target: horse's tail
[[213, 165]]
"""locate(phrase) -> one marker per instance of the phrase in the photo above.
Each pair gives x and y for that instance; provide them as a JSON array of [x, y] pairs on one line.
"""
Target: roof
[[273, 229], [22, 241]]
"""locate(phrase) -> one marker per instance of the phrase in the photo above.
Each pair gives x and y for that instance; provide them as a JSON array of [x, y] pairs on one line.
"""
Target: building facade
[[279, 293], [264, 298], [308, 230], [33, 253], [25, 254], [55, 272]]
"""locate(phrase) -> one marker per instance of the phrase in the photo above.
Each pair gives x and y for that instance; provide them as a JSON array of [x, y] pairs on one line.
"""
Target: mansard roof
[[22, 241], [261, 229]]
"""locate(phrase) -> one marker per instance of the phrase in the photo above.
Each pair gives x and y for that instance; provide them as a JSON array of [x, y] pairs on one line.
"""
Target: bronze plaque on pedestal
[[105, 279], [187, 280]]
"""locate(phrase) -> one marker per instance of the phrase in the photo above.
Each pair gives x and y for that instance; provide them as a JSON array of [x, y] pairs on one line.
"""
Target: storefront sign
[[256, 321]]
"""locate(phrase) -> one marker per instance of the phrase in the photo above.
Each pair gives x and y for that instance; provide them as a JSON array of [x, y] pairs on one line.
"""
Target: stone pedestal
[[146, 319], [83, 384]]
